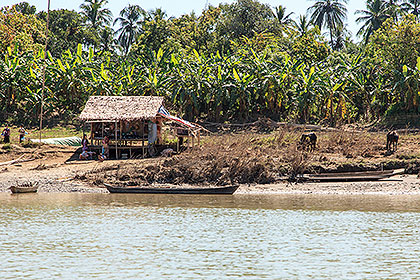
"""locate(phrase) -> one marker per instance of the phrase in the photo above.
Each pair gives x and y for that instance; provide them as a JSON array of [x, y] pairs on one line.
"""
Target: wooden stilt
[[142, 139], [177, 140], [116, 140]]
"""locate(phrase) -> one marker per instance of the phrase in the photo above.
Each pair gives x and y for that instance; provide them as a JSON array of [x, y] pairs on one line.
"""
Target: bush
[[30, 144]]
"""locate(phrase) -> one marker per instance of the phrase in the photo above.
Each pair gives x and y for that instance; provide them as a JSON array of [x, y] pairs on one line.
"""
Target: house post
[[116, 140]]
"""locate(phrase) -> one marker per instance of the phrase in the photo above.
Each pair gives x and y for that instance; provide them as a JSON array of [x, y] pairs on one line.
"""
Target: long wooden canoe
[[219, 190], [351, 176], [28, 188]]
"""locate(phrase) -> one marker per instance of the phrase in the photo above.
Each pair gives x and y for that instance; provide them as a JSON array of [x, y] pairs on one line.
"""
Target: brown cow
[[392, 141], [308, 141]]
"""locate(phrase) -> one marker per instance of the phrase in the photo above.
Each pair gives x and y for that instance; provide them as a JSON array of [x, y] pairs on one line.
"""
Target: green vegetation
[[54, 132], [234, 62]]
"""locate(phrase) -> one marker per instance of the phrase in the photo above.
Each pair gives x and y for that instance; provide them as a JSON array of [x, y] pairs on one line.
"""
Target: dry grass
[[265, 158]]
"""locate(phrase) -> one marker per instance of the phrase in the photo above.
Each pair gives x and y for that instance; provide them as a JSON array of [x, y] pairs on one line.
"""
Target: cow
[[308, 141], [392, 141]]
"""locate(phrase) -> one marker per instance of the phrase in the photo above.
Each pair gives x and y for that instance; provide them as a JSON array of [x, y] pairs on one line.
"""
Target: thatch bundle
[[113, 108]]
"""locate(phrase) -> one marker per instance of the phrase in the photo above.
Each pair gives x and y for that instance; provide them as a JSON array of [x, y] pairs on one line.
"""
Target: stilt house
[[132, 123]]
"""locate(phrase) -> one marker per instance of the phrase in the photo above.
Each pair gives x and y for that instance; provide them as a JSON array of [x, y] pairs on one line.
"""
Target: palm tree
[[107, 43], [375, 14], [157, 14], [341, 35], [302, 26], [95, 14], [328, 13], [130, 20], [411, 6], [280, 15], [393, 8]]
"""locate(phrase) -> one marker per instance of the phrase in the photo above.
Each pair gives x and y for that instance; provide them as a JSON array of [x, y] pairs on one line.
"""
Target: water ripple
[[76, 236]]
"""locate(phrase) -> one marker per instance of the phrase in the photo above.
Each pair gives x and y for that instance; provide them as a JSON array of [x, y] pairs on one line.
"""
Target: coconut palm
[[130, 20], [95, 14], [393, 8], [375, 14], [328, 13], [340, 35], [302, 25], [281, 17], [107, 43], [157, 14], [412, 7]]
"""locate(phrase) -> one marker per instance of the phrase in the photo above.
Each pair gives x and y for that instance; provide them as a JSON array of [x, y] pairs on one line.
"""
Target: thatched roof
[[115, 108]]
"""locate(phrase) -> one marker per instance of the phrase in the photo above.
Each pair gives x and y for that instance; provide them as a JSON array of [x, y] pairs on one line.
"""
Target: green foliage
[[130, 19], [395, 48], [309, 47], [234, 62], [95, 14], [25, 8], [329, 13], [24, 31], [67, 31], [155, 33]]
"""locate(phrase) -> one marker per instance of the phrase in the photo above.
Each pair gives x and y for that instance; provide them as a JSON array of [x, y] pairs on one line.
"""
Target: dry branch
[[15, 161]]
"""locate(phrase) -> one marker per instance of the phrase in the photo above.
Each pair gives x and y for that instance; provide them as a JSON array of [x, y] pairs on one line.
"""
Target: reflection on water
[[380, 203], [104, 236]]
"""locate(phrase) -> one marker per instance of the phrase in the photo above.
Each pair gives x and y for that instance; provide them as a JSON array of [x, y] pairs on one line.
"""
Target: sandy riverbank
[[256, 161], [397, 185], [57, 176]]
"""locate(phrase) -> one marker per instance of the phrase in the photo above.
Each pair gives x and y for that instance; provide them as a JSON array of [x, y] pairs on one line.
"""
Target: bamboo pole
[[43, 73]]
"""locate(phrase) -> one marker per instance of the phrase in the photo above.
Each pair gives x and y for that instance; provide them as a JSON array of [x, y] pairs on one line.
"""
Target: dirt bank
[[269, 158], [258, 161]]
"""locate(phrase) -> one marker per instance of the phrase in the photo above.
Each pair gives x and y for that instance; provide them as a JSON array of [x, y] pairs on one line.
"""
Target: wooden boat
[[351, 176], [219, 190], [24, 188]]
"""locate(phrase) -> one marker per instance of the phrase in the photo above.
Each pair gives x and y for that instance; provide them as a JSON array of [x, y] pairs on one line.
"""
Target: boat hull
[[351, 176], [16, 189], [212, 191]]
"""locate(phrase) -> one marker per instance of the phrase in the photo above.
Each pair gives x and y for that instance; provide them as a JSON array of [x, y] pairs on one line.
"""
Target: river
[[111, 236]]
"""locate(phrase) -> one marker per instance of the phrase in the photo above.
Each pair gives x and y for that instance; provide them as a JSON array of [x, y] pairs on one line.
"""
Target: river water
[[112, 236]]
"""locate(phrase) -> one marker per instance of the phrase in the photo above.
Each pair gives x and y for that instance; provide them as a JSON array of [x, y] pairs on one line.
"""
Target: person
[[86, 155], [22, 133], [152, 128], [105, 148], [85, 143], [102, 157], [6, 134]]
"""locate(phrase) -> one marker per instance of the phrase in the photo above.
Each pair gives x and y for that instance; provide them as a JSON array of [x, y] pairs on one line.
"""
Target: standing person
[[105, 147], [85, 143], [6, 134], [22, 133]]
